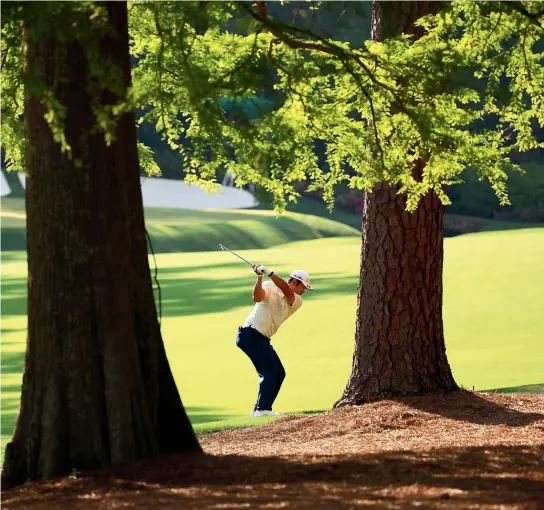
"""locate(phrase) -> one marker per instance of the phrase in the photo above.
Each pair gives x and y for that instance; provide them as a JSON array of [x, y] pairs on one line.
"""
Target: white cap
[[303, 277]]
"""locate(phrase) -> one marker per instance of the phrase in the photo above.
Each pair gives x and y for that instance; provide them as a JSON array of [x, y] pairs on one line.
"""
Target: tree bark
[[97, 386], [399, 338]]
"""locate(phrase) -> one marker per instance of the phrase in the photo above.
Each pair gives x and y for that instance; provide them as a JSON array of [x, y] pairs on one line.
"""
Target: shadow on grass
[[10, 408], [13, 239], [315, 411], [527, 388], [199, 415], [11, 330], [190, 296], [251, 233], [14, 296], [13, 256], [468, 476], [244, 232], [186, 295], [12, 363], [469, 407]]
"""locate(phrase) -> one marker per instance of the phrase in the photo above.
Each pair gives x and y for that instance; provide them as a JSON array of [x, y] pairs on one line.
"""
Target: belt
[[255, 329]]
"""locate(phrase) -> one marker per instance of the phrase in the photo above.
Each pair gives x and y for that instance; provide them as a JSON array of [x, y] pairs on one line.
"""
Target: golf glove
[[260, 269]]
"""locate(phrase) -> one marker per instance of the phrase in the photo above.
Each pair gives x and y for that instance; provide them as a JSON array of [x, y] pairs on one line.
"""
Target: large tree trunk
[[97, 386], [399, 339]]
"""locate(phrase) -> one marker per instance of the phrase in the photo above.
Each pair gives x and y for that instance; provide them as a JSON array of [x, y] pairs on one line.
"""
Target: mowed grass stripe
[[184, 230]]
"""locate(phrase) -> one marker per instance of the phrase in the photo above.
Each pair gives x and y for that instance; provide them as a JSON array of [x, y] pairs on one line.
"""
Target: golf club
[[234, 253]]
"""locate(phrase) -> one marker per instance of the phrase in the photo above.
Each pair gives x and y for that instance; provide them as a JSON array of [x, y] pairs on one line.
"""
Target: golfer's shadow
[[469, 407]]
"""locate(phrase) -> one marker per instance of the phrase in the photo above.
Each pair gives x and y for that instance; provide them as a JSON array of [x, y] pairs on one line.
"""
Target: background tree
[[401, 118], [399, 334], [97, 386]]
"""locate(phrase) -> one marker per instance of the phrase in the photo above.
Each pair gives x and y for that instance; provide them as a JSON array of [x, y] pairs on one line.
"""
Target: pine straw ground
[[461, 450]]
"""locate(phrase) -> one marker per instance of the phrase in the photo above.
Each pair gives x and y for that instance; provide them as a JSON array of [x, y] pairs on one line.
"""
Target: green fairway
[[493, 295], [494, 290], [183, 230]]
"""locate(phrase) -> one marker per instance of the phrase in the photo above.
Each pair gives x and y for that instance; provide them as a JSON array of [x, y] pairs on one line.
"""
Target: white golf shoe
[[258, 414]]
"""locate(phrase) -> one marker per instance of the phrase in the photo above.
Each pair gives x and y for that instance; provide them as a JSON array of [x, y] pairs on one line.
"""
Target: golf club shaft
[[234, 253]]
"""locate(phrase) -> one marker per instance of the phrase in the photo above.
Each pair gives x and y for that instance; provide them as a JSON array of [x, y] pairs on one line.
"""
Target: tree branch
[[331, 50], [529, 75], [326, 47], [261, 16], [357, 79], [4, 58]]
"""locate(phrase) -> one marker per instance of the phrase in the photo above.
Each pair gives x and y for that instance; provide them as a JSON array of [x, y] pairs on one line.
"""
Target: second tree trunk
[[399, 339]]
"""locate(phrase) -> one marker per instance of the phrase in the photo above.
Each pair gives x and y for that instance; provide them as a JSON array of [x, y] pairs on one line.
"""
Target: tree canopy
[[467, 94]]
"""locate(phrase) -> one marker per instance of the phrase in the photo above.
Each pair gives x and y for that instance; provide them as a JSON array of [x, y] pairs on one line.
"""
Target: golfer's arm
[[258, 292], [284, 287]]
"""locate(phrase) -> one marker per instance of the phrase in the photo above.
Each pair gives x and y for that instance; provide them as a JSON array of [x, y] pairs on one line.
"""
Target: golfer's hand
[[256, 269], [260, 270]]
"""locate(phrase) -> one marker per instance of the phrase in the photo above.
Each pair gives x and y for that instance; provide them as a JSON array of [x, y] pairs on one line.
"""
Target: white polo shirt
[[269, 314]]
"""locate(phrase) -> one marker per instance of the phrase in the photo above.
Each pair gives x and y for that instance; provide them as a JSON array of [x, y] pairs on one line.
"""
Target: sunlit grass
[[493, 295]]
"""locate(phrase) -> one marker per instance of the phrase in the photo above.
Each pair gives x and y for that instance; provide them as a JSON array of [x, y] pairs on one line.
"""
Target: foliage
[[12, 89], [147, 162], [373, 121], [465, 95], [83, 23]]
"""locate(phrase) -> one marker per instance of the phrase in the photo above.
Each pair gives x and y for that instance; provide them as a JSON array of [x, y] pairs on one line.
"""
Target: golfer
[[275, 301]]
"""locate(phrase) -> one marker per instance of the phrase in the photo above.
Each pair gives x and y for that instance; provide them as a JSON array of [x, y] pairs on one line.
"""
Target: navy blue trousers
[[266, 362]]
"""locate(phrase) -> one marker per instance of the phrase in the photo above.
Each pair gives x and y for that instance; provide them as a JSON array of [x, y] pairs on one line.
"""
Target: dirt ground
[[455, 451]]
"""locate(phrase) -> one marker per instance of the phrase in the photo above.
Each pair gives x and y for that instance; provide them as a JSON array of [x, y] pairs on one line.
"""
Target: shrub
[[475, 198]]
